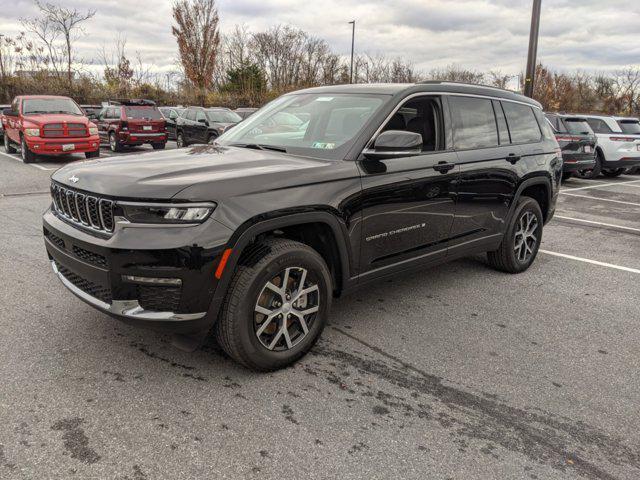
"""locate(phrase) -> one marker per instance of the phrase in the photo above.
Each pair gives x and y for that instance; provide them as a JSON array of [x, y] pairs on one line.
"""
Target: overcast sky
[[478, 34]]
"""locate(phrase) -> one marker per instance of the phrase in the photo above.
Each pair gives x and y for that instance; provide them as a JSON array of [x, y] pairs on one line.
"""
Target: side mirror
[[204, 120], [395, 144], [8, 112]]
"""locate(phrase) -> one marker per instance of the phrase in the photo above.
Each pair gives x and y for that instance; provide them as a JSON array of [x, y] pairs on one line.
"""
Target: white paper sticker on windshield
[[328, 146], [324, 99]]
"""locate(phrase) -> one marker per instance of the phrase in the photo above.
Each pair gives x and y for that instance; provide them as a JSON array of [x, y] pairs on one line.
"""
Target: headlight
[[93, 130], [32, 132], [158, 213]]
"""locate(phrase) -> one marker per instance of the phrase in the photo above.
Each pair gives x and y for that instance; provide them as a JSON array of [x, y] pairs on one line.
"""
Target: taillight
[[566, 138], [622, 139]]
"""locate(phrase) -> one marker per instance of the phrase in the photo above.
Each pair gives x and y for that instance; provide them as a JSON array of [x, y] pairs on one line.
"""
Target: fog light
[[152, 280]]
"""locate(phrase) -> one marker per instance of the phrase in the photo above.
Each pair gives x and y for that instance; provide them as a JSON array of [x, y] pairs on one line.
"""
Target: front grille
[[97, 291], [90, 257], [159, 299], [82, 209], [61, 130]]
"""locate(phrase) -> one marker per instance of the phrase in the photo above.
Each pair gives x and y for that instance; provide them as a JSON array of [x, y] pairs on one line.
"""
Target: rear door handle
[[513, 158], [443, 167]]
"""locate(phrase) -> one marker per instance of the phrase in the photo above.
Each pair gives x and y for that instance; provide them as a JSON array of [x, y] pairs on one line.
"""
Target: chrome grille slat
[[85, 210]]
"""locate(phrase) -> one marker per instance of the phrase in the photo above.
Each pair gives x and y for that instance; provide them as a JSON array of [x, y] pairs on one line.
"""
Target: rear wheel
[[8, 146], [114, 143], [522, 239], [94, 154], [27, 155], [158, 146], [615, 172], [595, 171], [275, 310]]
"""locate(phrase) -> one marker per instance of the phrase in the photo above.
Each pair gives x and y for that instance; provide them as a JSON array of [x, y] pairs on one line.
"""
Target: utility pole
[[353, 37], [529, 78]]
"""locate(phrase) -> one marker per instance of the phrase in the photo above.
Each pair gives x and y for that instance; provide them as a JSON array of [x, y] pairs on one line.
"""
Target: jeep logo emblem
[[74, 179]]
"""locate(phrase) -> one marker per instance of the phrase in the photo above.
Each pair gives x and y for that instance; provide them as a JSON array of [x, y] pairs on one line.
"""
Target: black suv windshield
[[578, 126], [314, 124], [50, 105], [148, 112], [629, 126], [223, 116]]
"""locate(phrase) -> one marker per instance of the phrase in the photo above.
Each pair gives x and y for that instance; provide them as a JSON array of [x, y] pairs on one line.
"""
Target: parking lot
[[457, 372]]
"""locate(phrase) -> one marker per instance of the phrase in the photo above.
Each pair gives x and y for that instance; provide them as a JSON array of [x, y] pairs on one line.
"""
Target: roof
[[614, 117], [426, 87]]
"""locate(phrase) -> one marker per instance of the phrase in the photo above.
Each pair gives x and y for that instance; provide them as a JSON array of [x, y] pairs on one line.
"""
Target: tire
[[180, 142], [595, 171], [94, 154], [114, 143], [27, 155], [8, 147], [212, 138], [158, 146], [566, 176], [506, 258], [240, 330], [616, 172]]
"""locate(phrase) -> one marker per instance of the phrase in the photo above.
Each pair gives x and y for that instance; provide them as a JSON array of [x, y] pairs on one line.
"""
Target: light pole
[[353, 37], [530, 75]]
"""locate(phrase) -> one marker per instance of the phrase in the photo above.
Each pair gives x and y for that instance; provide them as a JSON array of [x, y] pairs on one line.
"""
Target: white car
[[618, 144]]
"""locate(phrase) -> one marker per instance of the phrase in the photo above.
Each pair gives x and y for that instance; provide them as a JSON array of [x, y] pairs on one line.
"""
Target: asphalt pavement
[[457, 372]]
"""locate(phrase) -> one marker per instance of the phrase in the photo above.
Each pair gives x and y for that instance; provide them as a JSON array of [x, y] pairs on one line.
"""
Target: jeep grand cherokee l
[[577, 142], [253, 235], [48, 125]]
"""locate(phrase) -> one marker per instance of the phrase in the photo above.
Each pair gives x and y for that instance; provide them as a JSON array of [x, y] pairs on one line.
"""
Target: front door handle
[[513, 158], [443, 167]]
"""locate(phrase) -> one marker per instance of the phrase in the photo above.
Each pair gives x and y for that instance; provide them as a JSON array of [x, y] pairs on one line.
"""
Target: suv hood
[[44, 118], [218, 171]]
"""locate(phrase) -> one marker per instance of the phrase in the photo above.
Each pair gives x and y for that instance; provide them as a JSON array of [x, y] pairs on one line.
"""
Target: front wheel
[[158, 146], [8, 147], [94, 154], [180, 143], [114, 143], [276, 309], [27, 155], [615, 172], [522, 239]]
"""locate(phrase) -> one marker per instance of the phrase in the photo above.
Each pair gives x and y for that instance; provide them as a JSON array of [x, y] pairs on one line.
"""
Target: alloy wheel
[[286, 309], [179, 141], [526, 236], [23, 150], [112, 142]]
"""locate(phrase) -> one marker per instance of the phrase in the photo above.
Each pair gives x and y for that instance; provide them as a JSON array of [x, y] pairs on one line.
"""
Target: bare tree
[[66, 23], [198, 40]]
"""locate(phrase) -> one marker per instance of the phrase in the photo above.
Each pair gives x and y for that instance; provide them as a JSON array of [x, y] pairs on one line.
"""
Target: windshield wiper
[[260, 146]]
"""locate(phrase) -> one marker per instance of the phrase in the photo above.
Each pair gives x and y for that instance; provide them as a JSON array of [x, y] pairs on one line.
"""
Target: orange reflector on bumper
[[223, 263]]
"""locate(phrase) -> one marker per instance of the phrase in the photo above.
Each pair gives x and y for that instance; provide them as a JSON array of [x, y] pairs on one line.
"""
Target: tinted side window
[[598, 126], [200, 116], [474, 123], [522, 123], [501, 121], [190, 115]]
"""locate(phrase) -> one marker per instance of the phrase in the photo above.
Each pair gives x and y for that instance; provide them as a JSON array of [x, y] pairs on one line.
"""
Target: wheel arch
[[538, 188]]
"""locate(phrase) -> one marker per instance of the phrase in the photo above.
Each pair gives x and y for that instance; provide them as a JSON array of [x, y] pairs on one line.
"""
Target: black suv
[[577, 142], [253, 235], [203, 125]]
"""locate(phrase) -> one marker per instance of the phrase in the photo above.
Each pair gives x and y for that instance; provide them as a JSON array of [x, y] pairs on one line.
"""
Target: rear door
[[408, 202], [201, 127], [490, 166]]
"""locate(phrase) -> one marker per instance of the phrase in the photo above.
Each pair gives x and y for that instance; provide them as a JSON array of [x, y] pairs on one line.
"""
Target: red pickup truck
[[48, 125]]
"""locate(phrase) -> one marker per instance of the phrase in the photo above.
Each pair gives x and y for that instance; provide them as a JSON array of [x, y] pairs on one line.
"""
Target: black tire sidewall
[[525, 204], [244, 315]]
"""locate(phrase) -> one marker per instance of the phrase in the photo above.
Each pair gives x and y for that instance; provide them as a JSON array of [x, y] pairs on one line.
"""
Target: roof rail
[[450, 82]]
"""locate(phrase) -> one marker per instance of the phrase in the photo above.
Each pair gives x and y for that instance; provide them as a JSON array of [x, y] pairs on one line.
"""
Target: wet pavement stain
[[483, 419], [75, 440]]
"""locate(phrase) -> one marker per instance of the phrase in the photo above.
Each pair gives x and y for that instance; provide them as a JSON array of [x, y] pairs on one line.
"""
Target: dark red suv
[[131, 123]]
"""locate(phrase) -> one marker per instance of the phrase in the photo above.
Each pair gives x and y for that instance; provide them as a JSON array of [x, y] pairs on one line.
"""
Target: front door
[[408, 203]]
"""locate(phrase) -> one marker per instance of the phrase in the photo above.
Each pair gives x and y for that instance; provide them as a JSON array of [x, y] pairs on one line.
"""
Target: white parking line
[[601, 199], [593, 262], [19, 160], [599, 185], [591, 222]]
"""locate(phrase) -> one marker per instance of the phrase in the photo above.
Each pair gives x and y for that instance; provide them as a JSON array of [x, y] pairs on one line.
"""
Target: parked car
[[245, 112], [2, 108], [130, 123], [91, 111], [577, 141], [48, 125], [618, 144], [255, 235], [203, 125], [171, 115]]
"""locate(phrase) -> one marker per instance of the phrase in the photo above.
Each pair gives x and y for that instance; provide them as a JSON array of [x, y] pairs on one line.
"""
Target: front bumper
[[575, 162], [138, 138], [93, 267], [56, 146]]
